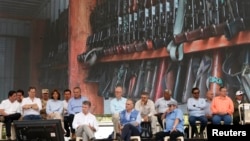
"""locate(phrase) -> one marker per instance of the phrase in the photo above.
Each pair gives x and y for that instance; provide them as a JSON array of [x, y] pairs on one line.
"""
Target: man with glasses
[[130, 120], [237, 101], [117, 105], [222, 108], [147, 109], [196, 110]]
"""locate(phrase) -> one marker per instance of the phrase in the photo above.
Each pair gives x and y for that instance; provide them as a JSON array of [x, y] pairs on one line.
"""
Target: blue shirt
[[75, 105], [116, 106], [130, 118], [54, 106], [170, 118]]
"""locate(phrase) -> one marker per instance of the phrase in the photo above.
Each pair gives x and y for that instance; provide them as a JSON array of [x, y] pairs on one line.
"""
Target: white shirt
[[10, 107], [148, 109], [82, 119], [37, 101], [161, 105], [196, 107]]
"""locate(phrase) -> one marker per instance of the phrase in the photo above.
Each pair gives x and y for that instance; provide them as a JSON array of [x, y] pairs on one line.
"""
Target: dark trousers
[[129, 130], [173, 135], [70, 119], [8, 120], [192, 121], [66, 125], [159, 119]]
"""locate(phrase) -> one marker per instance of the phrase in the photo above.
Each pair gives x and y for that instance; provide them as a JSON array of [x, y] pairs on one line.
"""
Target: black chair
[[146, 130]]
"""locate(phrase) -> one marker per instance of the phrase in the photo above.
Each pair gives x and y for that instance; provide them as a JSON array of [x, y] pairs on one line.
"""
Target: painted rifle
[[160, 74], [139, 80], [200, 19], [189, 81], [236, 23], [154, 79], [245, 76]]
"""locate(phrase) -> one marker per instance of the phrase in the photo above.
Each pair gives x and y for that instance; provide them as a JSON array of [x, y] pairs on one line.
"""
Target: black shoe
[[67, 135], [8, 138], [92, 139]]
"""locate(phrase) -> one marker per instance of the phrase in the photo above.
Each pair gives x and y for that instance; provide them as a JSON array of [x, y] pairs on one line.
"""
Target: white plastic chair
[[166, 138], [180, 138], [197, 124], [246, 118], [138, 138], [13, 132]]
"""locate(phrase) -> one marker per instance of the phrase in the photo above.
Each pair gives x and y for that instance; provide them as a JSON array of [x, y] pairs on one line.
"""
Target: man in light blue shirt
[[116, 106], [75, 106], [174, 123], [196, 110]]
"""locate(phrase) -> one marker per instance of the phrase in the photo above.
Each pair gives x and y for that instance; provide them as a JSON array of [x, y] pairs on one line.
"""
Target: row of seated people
[[34, 108], [213, 109], [31, 107]]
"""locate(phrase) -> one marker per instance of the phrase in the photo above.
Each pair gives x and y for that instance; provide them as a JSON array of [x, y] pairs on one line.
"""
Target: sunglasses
[[196, 92]]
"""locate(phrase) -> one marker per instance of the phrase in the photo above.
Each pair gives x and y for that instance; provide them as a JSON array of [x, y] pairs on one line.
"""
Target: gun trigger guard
[[176, 51]]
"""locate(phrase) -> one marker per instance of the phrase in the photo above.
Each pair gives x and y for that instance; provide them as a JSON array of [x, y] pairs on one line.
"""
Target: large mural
[[123, 27]]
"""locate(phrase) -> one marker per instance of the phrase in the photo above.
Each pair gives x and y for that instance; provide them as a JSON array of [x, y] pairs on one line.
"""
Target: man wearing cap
[[174, 125], [44, 99], [161, 105], [237, 101]]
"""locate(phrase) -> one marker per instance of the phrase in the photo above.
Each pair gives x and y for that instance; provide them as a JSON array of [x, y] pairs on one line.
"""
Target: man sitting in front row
[[85, 123], [130, 120], [174, 123]]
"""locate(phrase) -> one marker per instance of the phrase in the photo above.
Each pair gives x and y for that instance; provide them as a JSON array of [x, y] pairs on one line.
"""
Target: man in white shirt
[[85, 123], [31, 106], [146, 107], [116, 106], [161, 105], [11, 110], [196, 110]]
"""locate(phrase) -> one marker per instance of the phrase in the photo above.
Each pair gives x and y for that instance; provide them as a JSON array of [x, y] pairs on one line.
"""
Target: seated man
[[74, 107], [130, 120], [147, 109], [174, 123], [222, 108], [85, 123], [67, 96], [196, 109], [161, 104], [209, 98], [117, 104], [11, 110], [237, 101], [31, 106]]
